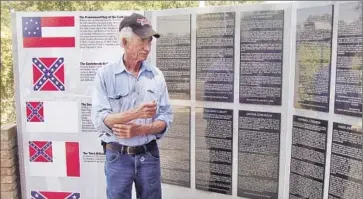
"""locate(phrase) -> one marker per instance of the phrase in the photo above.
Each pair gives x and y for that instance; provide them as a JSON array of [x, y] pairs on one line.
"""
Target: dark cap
[[140, 25]]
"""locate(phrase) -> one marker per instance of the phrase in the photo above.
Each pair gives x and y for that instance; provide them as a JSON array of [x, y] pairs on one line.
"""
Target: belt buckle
[[128, 149], [125, 149]]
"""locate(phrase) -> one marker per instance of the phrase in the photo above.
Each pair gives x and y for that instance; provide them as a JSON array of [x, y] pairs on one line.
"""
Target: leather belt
[[132, 150]]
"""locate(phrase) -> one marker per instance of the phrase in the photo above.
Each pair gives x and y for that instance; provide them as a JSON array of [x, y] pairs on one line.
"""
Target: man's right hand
[[147, 110]]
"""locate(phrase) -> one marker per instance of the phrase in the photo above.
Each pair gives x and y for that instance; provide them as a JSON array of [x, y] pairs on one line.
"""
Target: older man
[[131, 111]]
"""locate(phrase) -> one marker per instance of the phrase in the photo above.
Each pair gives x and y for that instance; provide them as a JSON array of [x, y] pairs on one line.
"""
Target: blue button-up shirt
[[117, 90]]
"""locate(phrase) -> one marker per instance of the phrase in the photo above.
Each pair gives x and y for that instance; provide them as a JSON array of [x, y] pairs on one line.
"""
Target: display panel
[[198, 53], [213, 150], [308, 153], [348, 86], [56, 56], [313, 57], [173, 54], [215, 56], [175, 150], [261, 57], [345, 180], [258, 154]]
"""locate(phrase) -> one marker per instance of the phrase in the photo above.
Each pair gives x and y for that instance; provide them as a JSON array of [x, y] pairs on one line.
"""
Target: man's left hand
[[126, 130]]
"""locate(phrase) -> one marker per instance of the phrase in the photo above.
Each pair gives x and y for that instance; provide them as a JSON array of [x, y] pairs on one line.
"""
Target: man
[[131, 110]]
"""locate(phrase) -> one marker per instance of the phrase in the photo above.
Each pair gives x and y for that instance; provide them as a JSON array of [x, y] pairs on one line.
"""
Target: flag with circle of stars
[[54, 195], [31, 27], [48, 74], [49, 32]]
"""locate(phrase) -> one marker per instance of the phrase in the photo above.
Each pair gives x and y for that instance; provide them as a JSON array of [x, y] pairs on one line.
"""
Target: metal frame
[[18, 107]]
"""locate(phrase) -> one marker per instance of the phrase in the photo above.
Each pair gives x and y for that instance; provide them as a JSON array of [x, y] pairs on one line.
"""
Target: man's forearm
[[120, 118], [153, 128]]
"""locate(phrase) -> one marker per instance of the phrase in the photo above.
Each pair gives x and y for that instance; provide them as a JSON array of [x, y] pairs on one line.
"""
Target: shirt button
[[142, 159]]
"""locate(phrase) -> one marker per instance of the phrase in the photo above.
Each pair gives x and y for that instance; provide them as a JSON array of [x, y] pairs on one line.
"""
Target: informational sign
[[261, 57], [173, 54], [215, 56], [348, 86], [175, 150], [308, 154], [258, 154], [56, 56], [213, 150], [346, 162], [266, 100], [314, 28]]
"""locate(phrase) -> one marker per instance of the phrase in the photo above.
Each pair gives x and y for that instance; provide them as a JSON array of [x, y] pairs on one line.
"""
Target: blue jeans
[[122, 170]]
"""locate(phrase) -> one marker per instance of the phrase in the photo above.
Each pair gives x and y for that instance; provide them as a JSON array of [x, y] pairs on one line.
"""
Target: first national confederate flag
[[43, 32]]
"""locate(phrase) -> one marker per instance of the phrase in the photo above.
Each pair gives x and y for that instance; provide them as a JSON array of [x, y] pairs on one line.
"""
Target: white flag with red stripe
[[54, 158]]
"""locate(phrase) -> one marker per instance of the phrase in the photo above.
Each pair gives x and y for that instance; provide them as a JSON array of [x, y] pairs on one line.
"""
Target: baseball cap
[[140, 25]]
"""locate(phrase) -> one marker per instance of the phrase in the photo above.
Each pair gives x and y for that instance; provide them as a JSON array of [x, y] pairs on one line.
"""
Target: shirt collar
[[120, 67]]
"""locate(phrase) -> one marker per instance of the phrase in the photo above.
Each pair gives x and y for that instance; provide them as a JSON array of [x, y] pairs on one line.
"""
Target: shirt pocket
[[153, 94], [119, 101]]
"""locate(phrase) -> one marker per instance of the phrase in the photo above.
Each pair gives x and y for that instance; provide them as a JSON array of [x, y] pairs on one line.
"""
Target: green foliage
[[221, 3], [7, 80], [7, 83], [148, 5]]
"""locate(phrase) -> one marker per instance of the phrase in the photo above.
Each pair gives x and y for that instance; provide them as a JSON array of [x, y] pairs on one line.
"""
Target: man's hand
[[147, 110], [126, 130]]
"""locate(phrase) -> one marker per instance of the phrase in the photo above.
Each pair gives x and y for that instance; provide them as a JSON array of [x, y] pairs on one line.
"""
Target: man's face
[[138, 48]]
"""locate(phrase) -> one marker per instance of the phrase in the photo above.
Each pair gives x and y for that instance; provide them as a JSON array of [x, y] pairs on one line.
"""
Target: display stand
[[267, 100]]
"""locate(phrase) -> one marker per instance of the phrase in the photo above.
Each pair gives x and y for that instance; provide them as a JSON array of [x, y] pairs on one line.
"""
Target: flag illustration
[[54, 159], [47, 32], [40, 152], [54, 195], [34, 112], [52, 116], [48, 74]]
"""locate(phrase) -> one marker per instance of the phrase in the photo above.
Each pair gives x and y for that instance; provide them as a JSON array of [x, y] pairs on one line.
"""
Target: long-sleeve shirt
[[116, 90]]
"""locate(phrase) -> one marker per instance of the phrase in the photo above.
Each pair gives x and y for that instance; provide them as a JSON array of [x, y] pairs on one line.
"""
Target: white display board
[[266, 100]]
